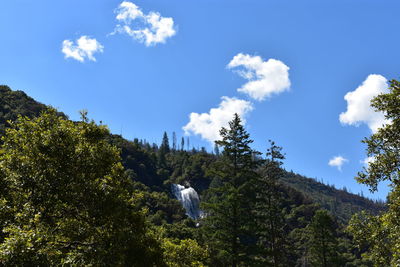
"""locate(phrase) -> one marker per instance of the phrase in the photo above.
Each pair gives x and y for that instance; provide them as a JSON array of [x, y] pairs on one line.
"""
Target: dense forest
[[74, 194]]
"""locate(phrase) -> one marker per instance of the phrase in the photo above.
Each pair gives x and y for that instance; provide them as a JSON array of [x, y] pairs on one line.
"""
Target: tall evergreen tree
[[323, 244], [229, 224], [164, 148], [173, 141], [269, 210]]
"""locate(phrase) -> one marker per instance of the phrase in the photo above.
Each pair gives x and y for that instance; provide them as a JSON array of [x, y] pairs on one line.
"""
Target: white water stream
[[189, 199]]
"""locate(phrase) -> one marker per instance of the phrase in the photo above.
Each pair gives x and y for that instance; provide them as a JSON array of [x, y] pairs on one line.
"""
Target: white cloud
[[128, 11], [84, 48], [149, 29], [358, 104], [337, 161], [208, 125], [265, 78]]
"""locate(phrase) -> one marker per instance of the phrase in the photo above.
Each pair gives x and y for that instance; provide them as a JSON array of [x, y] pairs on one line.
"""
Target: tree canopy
[[66, 199], [380, 233]]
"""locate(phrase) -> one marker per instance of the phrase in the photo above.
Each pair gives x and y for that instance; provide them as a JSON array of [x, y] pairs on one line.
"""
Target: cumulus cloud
[[358, 104], [84, 48], [338, 162], [265, 78], [150, 28], [128, 11], [208, 125]]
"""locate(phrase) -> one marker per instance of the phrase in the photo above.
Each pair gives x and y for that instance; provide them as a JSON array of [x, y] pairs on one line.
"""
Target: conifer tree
[[323, 245], [163, 169], [164, 148], [269, 211], [173, 141], [229, 224]]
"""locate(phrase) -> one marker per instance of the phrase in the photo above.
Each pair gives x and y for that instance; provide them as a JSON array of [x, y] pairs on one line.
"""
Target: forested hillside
[[341, 203], [190, 166], [14, 103], [289, 210]]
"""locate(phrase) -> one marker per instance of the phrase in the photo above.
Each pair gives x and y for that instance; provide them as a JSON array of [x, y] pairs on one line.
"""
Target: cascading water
[[189, 199]]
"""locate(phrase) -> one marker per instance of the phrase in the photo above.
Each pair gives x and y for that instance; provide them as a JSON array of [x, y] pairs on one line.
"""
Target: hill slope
[[14, 103], [140, 159], [340, 202]]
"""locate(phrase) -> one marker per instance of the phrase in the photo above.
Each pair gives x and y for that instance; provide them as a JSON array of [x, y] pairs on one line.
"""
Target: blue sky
[[295, 62]]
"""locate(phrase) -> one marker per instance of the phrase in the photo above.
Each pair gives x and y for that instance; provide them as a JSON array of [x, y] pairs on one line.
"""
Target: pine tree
[[173, 141], [323, 244], [164, 148], [269, 211], [229, 222]]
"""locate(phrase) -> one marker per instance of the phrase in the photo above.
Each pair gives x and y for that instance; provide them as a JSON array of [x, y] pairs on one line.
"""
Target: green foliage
[[15, 103], [380, 234], [68, 200], [340, 203], [164, 147], [383, 146], [191, 168], [229, 224], [139, 162], [371, 236], [184, 253], [140, 159], [270, 210], [161, 208], [323, 242]]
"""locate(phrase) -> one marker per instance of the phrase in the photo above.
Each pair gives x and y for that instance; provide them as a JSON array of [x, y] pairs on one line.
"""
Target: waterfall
[[189, 199]]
